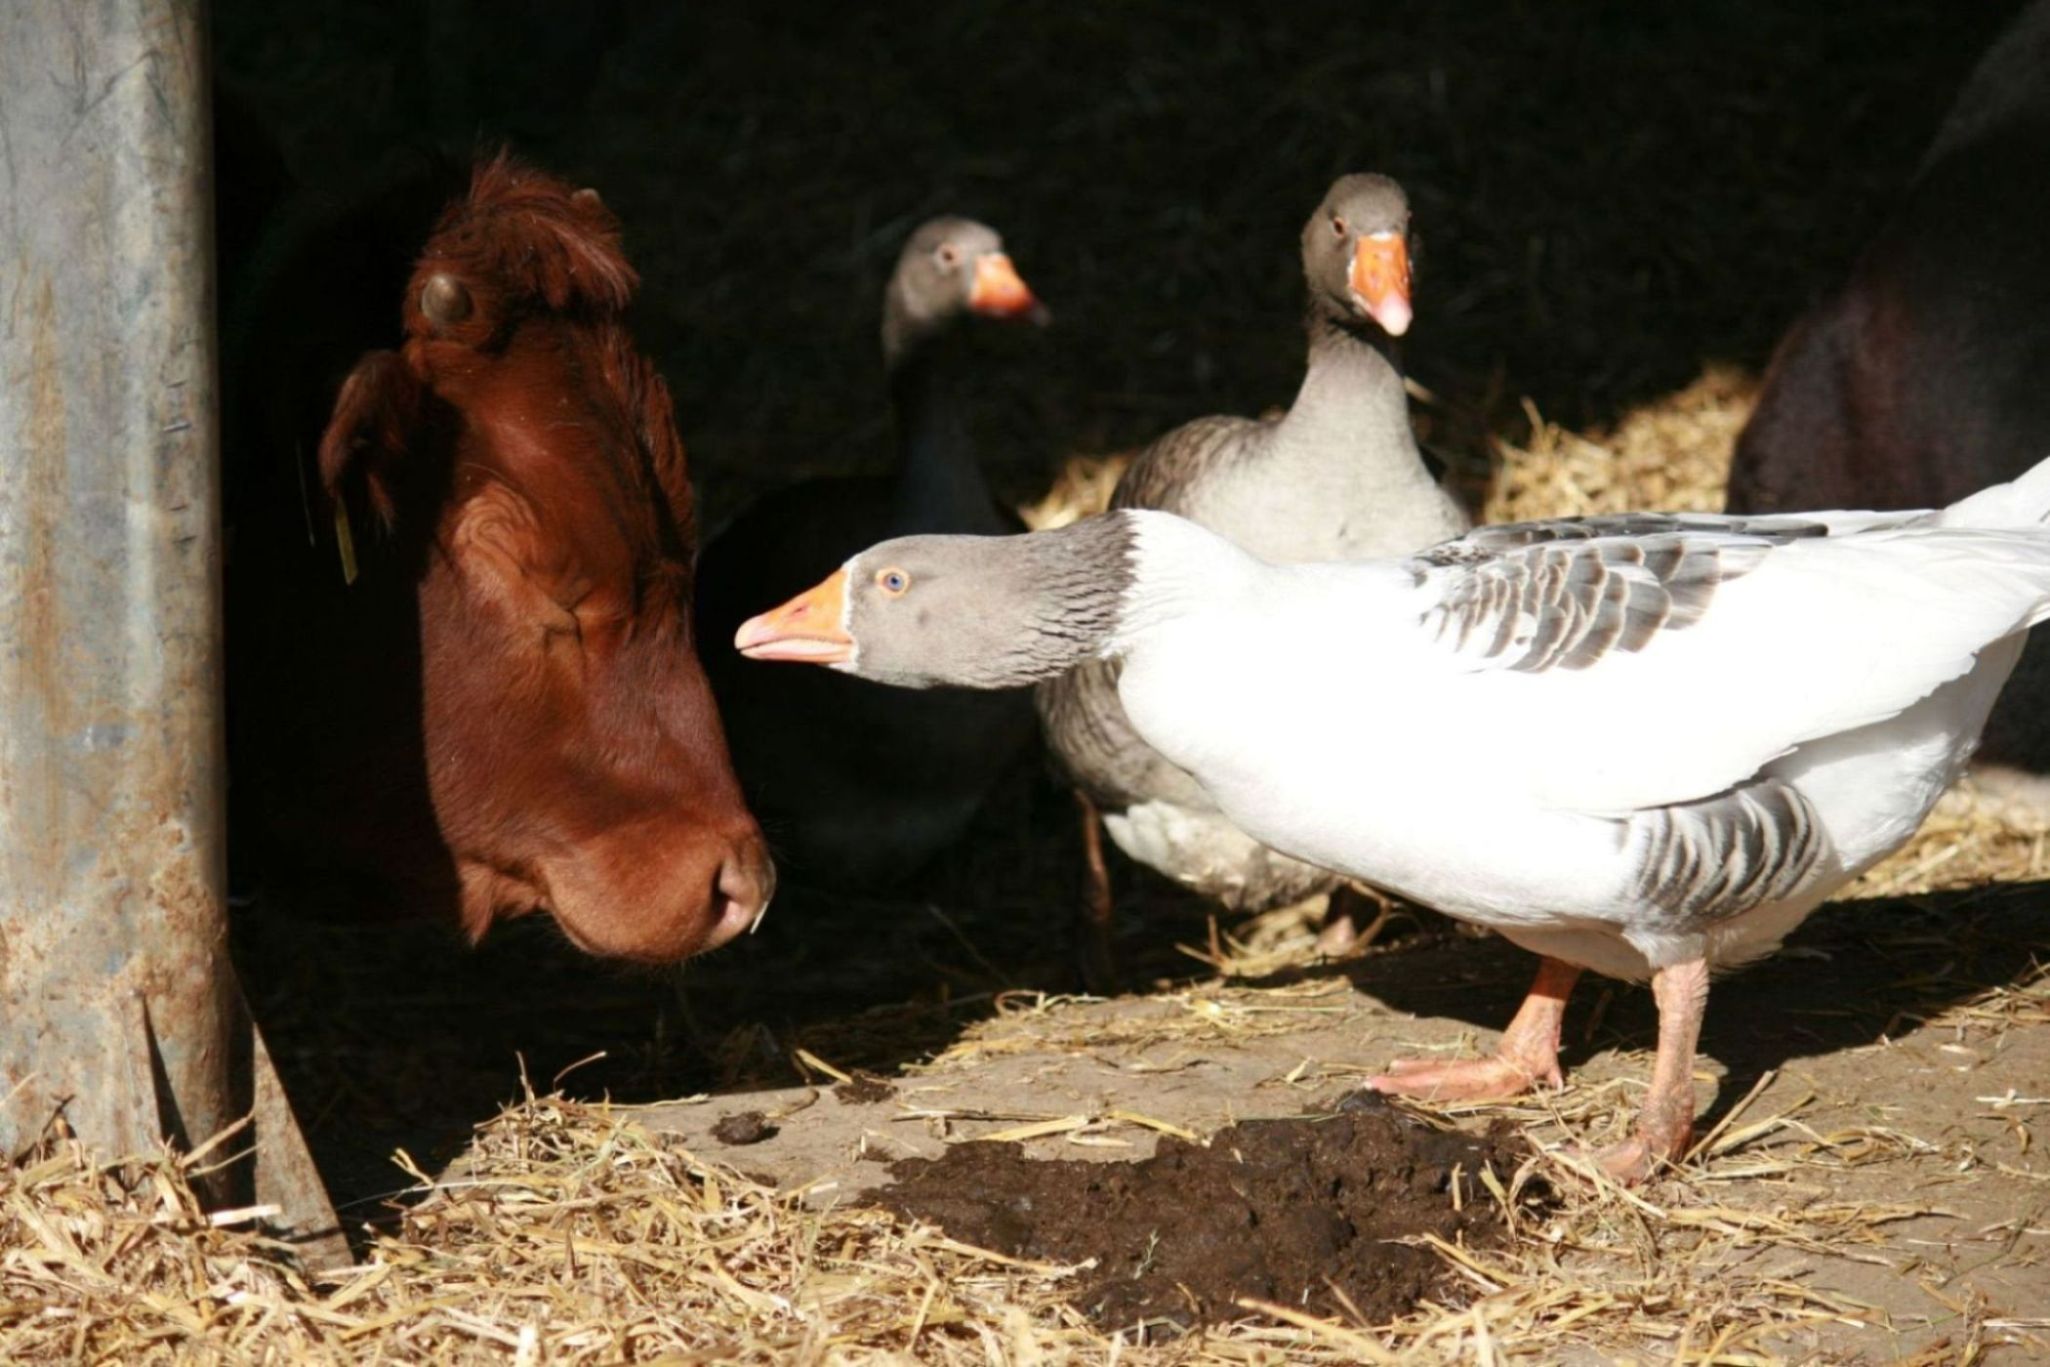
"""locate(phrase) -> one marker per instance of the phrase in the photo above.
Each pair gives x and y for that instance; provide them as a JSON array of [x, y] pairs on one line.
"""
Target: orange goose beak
[[812, 627], [1000, 292], [1380, 280]]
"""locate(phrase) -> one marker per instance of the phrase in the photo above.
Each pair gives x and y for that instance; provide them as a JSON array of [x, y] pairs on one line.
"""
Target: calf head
[[526, 453]]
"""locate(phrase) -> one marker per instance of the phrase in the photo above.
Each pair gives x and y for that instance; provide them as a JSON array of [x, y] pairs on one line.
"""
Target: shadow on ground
[[1857, 973], [391, 1034]]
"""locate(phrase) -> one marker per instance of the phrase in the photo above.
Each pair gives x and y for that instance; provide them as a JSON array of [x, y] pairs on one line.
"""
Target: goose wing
[[1170, 474], [1614, 664]]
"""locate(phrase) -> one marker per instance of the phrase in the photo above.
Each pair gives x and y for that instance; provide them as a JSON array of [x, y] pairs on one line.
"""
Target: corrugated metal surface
[[118, 1005]]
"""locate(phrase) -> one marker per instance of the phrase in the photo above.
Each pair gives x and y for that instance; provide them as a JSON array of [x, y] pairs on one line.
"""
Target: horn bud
[[444, 300]]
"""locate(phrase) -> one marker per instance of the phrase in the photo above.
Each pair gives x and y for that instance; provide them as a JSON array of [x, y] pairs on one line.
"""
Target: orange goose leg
[[1527, 1055], [1341, 933], [1665, 1124], [1099, 961]]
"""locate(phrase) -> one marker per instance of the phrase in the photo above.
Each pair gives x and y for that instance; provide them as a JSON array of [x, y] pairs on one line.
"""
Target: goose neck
[[1351, 385], [939, 483]]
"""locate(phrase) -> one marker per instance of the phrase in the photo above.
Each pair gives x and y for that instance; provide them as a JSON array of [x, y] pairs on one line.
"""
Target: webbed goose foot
[[1478, 1079], [1528, 1054]]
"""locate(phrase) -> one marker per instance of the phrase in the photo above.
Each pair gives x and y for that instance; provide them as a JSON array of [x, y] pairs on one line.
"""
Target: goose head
[[952, 268], [965, 611], [1356, 252]]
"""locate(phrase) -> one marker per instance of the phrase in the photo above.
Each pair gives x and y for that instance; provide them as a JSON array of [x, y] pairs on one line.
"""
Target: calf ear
[[498, 548], [377, 415]]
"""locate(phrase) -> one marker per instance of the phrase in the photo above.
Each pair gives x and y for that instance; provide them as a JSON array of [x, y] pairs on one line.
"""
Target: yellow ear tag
[[346, 542]]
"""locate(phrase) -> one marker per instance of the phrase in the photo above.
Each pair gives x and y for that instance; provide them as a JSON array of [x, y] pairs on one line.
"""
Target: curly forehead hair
[[530, 236]]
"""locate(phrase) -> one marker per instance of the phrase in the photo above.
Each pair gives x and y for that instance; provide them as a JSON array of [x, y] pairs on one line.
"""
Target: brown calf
[[513, 661]]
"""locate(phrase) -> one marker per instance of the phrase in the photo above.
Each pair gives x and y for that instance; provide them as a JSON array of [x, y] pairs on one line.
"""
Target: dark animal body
[[1926, 375], [504, 709]]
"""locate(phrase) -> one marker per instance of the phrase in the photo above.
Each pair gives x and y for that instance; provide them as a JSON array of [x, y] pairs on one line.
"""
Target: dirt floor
[[538, 1155], [1870, 1183]]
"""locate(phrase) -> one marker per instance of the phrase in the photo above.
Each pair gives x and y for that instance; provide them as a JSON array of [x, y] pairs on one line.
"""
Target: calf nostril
[[764, 875], [743, 891]]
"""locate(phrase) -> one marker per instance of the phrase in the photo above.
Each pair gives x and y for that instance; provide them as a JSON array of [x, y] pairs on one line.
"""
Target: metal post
[[119, 1008]]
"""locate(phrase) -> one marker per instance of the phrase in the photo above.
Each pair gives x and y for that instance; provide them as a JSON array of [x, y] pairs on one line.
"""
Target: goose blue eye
[[893, 582]]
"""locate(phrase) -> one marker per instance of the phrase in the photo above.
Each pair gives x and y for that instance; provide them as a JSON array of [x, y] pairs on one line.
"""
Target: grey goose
[[1336, 477]]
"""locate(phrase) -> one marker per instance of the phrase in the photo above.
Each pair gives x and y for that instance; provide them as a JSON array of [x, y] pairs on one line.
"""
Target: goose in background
[[1336, 477], [852, 782]]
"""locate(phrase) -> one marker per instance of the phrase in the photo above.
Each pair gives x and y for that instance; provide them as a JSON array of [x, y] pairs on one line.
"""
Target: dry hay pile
[[1669, 456], [575, 1234]]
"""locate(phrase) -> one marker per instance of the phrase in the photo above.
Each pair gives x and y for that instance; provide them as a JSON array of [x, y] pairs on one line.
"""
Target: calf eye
[[893, 581]]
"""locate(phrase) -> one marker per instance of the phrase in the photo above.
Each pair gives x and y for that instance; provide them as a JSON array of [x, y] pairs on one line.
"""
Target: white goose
[[1645, 745]]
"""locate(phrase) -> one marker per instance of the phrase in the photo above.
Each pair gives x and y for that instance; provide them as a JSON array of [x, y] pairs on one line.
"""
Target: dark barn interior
[[1607, 197]]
